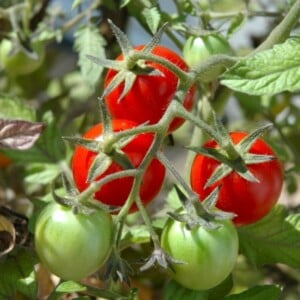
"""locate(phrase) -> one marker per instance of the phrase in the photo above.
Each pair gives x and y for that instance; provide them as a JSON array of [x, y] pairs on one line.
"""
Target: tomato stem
[[282, 31], [86, 195]]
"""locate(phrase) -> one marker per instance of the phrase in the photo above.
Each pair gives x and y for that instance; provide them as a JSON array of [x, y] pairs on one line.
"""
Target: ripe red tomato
[[150, 95], [250, 201], [116, 192]]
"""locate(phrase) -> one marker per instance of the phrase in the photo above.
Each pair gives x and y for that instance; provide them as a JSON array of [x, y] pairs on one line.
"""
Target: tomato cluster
[[207, 256]]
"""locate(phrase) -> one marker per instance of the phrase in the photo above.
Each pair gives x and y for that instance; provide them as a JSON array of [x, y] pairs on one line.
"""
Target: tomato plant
[[72, 245], [198, 62], [20, 63], [207, 256], [116, 192], [150, 95], [250, 201]]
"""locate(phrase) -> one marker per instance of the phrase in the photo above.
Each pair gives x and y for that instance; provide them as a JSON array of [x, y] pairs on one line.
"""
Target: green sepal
[[100, 164], [122, 39], [92, 145]]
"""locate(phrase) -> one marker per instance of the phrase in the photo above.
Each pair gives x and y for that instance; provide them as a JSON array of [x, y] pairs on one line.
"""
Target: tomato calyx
[[198, 213], [161, 258], [117, 269], [234, 157], [108, 151], [83, 203]]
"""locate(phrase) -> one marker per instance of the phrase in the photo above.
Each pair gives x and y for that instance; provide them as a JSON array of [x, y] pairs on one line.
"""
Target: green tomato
[[20, 63], [208, 255], [73, 246], [198, 49]]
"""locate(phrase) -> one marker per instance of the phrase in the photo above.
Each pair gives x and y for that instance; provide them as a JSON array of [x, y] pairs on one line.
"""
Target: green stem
[[73, 22], [175, 173], [282, 31], [182, 75], [147, 220], [96, 185], [245, 13]]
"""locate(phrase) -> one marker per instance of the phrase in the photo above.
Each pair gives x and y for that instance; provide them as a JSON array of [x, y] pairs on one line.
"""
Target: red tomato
[[116, 192], [150, 95], [4, 160], [250, 201]]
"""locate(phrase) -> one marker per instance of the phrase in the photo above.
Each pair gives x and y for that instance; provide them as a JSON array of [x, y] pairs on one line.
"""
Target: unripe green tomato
[[19, 63], [73, 246], [208, 256], [198, 49]]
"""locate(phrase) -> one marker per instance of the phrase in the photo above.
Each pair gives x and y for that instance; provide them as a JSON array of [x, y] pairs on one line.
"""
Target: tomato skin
[[150, 95], [209, 255], [250, 201], [198, 49], [73, 246], [116, 192], [4, 160], [19, 63]]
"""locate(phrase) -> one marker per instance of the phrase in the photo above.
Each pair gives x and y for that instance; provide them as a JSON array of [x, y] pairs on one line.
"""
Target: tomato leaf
[[277, 235], [270, 292], [174, 291], [152, 17], [19, 134], [14, 108], [268, 72], [17, 275], [67, 287], [236, 23], [138, 234], [88, 41], [42, 173]]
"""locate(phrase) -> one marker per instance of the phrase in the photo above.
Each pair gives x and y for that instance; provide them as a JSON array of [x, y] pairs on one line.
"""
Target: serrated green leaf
[[174, 291], [138, 234], [270, 292], [152, 17], [42, 173], [17, 275], [12, 107], [274, 239], [268, 72], [88, 41]]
